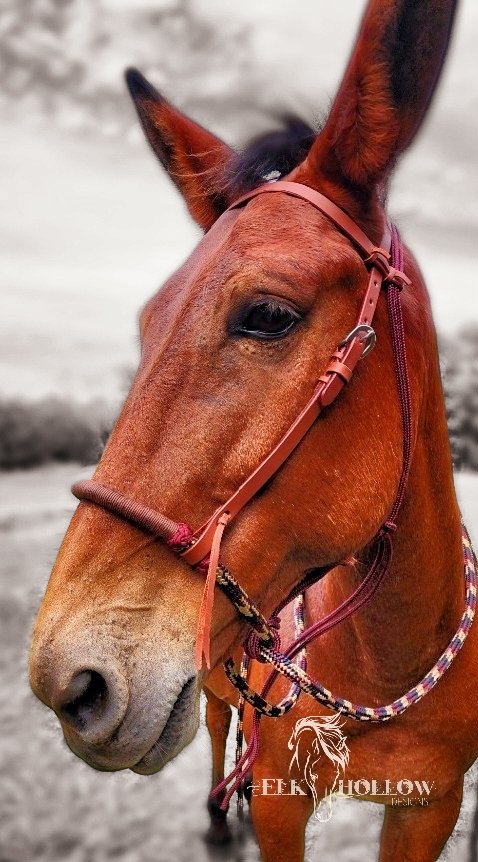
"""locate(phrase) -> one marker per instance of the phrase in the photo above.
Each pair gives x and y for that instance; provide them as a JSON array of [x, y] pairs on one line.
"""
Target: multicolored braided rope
[[246, 609], [301, 678]]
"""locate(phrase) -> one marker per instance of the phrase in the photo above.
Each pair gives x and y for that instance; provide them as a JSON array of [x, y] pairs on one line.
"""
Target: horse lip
[[171, 740]]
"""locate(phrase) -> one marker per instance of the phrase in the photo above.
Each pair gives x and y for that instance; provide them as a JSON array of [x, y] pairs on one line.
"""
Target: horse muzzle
[[135, 712]]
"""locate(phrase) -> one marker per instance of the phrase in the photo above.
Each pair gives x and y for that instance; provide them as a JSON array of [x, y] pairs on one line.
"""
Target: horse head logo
[[327, 740]]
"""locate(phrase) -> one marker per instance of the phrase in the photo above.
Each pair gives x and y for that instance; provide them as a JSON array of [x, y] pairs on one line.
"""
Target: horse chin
[[179, 730]]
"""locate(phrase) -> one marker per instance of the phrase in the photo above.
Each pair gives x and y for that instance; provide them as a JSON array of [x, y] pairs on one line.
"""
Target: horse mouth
[[178, 731]]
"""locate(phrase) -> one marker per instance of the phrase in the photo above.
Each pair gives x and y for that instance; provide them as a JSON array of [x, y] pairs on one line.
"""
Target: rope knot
[[389, 527], [181, 539], [253, 643]]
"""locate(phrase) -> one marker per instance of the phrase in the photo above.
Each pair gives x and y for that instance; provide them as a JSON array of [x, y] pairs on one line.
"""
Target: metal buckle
[[369, 338]]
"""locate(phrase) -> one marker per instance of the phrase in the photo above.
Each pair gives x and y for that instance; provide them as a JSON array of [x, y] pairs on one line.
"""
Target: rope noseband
[[201, 549]]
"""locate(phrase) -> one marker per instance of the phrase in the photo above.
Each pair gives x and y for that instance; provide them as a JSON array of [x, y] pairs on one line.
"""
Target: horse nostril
[[91, 703], [84, 701]]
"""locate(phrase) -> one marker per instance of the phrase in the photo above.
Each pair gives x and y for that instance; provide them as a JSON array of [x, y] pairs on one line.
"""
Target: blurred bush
[[459, 367], [52, 429]]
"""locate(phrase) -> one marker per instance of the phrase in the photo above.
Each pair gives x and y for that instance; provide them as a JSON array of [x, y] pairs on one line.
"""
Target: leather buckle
[[369, 338]]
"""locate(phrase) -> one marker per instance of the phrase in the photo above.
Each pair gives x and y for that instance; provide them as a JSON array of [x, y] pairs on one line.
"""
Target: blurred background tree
[[459, 367], [64, 59]]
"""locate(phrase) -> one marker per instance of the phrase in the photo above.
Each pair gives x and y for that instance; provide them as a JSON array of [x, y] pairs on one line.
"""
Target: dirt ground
[[52, 806]]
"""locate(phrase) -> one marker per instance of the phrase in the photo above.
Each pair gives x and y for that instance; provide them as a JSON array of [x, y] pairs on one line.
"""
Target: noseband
[[201, 549]]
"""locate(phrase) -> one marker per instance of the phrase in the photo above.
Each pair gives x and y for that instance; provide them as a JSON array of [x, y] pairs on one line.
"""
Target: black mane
[[271, 155]]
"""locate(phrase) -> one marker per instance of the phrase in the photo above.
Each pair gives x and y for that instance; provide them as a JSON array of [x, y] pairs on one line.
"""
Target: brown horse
[[231, 348]]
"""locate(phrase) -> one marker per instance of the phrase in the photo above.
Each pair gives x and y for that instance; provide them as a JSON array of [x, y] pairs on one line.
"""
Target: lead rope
[[302, 681], [282, 663], [240, 739]]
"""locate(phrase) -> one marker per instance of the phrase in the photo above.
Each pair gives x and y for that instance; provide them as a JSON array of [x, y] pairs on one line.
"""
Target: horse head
[[231, 349]]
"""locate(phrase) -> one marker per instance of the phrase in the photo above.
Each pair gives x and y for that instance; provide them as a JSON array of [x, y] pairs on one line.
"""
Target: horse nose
[[92, 703]]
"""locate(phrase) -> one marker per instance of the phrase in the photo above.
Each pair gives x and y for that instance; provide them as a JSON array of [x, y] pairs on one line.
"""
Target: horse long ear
[[385, 92], [194, 158]]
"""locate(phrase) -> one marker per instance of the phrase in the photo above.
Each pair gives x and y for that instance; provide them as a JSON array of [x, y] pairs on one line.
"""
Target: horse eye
[[267, 319]]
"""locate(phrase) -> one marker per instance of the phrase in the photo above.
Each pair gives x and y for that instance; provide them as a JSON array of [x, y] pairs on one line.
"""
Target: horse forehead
[[283, 237], [285, 221]]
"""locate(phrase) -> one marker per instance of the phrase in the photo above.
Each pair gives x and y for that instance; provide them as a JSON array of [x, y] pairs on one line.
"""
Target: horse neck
[[400, 633]]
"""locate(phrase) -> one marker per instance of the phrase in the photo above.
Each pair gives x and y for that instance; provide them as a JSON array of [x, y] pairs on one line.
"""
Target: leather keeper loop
[[379, 258], [397, 278], [337, 367]]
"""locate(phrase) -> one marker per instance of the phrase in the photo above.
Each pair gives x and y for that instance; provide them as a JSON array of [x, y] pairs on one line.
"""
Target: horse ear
[[194, 158], [386, 90]]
